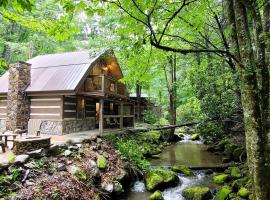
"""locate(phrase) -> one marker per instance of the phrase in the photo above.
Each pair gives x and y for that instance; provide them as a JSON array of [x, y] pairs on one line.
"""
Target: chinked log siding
[[70, 107], [3, 107], [90, 107], [46, 107]]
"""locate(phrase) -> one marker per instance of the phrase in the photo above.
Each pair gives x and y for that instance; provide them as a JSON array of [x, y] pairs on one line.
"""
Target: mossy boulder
[[182, 169], [243, 192], [101, 162], [197, 193], [235, 172], [195, 136], [221, 178], [223, 193], [78, 172], [156, 196], [237, 184], [158, 179]]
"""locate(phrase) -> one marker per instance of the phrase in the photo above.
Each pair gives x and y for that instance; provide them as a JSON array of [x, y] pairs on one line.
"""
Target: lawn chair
[[2, 145]]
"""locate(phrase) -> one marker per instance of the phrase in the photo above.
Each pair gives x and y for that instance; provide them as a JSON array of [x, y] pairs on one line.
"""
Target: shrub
[[130, 149]]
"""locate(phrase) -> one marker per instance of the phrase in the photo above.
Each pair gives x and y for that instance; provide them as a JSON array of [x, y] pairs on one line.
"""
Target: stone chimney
[[18, 104]]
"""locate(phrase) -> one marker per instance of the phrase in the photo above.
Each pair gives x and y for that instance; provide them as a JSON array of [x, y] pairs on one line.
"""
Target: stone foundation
[[2, 125], [51, 127], [56, 127], [24, 145], [72, 126]]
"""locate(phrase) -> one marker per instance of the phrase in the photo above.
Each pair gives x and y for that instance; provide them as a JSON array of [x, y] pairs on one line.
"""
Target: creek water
[[185, 152]]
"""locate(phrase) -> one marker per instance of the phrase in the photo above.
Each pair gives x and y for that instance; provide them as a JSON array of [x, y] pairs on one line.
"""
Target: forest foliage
[[205, 89]]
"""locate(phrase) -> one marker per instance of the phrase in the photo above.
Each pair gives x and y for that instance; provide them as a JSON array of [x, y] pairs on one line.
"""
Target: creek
[[185, 152]]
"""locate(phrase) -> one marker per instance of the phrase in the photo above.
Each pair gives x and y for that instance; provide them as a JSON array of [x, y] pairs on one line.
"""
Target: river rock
[[235, 172], [78, 172], [158, 179], [117, 188], [21, 159], [182, 169], [195, 136], [107, 187], [67, 153], [101, 162], [56, 149], [243, 192], [156, 196], [221, 178], [197, 193], [36, 153], [223, 193]]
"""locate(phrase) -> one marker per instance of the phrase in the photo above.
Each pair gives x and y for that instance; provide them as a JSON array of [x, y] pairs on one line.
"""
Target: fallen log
[[218, 168], [175, 126]]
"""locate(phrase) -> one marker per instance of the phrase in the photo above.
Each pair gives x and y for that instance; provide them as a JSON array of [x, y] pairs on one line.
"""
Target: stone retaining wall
[[24, 145]]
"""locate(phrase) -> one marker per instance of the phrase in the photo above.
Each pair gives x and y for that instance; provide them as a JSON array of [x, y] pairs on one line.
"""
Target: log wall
[[46, 107]]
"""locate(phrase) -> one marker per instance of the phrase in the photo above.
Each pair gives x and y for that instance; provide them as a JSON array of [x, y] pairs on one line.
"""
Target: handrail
[[109, 78]]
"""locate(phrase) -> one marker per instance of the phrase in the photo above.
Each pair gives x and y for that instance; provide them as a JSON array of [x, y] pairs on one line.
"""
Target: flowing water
[[185, 152]]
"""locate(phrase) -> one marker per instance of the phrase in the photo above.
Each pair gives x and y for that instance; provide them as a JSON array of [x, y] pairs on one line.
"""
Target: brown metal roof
[[56, 72]]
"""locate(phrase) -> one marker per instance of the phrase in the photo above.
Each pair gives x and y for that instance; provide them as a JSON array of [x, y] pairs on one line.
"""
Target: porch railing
[[106, 84]]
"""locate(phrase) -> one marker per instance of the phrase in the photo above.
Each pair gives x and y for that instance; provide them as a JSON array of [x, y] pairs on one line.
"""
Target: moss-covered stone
[[101, 162], [197, 193], [235, 172], [79, 173], [223, 193], [221, 178], [195, 136], [182, 169], [237, 184], [243, 192], [156, 196], [158, 179]]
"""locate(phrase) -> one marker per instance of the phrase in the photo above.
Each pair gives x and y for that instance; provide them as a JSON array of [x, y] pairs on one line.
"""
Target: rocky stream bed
[[95, 169]]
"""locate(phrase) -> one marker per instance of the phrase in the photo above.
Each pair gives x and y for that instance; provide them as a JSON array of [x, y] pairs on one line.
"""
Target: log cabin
[[65, 93]]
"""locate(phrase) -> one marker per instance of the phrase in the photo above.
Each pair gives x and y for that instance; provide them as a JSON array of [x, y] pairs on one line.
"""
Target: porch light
[[105, 68]]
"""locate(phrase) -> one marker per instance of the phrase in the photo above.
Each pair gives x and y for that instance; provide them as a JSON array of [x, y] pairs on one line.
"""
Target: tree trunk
[[138, 95], [256, 137]]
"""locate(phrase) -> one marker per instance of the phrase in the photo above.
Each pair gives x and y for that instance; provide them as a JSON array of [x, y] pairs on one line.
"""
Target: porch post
[[121, 115], [134, 110], [101, 106]]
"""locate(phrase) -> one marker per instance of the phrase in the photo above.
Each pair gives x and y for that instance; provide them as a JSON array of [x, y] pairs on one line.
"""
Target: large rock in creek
[[195, 136], [182, 169], [221, 178], [223, 193], [158, 179], [157, 195], [197, 193]]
